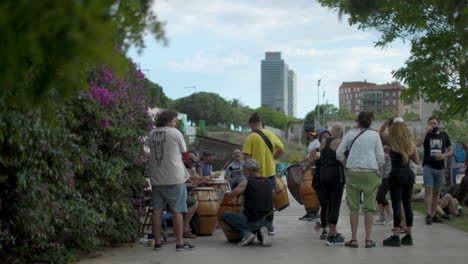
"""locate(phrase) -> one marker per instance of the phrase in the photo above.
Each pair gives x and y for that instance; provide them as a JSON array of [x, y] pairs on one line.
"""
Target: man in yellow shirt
[[264, 147]]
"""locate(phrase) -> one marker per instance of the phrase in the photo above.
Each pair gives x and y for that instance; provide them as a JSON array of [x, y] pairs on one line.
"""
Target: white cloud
[[205, 63]]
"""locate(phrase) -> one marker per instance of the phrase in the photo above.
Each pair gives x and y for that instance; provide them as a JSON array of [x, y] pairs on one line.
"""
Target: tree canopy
[[437, 67], [47, 45], [155, 95]]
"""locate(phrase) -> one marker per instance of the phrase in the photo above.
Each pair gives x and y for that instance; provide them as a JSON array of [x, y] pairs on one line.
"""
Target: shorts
[[175, 195], [366, 182], [190, 201], [433, 177]]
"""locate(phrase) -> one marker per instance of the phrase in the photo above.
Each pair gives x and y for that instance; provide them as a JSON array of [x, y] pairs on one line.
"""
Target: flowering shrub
[[74, 182]]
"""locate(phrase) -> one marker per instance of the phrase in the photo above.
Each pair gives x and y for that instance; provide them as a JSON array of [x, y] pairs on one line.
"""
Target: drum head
[[216, 182], [203, 189]]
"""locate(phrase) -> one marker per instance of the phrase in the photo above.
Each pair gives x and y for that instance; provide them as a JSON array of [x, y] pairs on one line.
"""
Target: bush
[[71, 170]]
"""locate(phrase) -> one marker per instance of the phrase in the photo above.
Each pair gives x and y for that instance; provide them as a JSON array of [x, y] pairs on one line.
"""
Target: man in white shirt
[[168, 176]]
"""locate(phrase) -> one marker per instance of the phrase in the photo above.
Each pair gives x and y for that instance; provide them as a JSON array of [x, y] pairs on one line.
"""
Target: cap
[[309, 128], [319, 130]]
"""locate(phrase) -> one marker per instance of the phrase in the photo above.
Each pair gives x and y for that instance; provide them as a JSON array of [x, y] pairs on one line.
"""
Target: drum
[[310, 198], [227, 206], [281, 200], [294, 177], [205, 220], [221, 187]]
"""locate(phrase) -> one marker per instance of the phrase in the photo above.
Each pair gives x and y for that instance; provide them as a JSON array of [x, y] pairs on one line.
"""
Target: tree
[[411, 116], [155, 95], [344, 114], [437, 67], [274, 118], [323, 112], [205, 106], [49, 46]]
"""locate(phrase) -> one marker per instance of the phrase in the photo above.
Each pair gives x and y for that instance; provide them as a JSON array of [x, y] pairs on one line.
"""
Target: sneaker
[[247, 239], [157, 246], [428, 220], [388, 220], [436, 219], [380, 221], [266, 240], [314, 218], [407, 240], [324, 235], [271, 231], [306, 217], [330, 241], [339, 239], [392, 241], [184, 247]]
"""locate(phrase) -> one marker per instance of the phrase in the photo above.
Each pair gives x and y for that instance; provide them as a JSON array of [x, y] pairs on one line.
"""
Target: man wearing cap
[[204, 166]]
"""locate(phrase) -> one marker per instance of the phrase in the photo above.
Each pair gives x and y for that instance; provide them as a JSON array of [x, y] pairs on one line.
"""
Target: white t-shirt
[[165, 162], [313, 145]]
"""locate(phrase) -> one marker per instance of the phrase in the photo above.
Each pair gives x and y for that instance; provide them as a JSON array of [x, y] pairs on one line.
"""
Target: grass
[[460, 223]]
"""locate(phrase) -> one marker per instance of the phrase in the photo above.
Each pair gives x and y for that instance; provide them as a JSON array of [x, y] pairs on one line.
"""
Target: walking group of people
[[365, 162]]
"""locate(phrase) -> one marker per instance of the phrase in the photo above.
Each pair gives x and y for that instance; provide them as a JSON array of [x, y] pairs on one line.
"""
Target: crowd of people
[[366, 163]]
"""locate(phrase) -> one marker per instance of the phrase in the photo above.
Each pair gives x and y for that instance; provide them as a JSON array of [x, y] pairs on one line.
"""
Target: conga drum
[[281, 200], [294, 177], [227, 206], [309, 196], [221, 187], [205, 219]]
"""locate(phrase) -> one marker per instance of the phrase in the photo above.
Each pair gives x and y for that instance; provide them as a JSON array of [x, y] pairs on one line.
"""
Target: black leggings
[[382, 193], [401, 193], [330, 193]]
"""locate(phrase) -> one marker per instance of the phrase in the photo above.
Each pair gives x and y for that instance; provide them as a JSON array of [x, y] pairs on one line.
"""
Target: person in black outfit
[[401, 180], [257, 216], [331, 183]]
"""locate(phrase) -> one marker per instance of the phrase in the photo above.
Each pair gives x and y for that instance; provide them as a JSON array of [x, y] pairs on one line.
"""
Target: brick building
[[361, 96]]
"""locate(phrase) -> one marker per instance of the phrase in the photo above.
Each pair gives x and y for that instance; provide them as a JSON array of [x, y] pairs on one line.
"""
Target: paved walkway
[[297, 242]]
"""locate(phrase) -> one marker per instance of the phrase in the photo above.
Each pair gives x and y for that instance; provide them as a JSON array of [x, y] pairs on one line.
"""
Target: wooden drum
[[205, 220], [226, 205], [281, 200], [221, 187], [309, 196], [294, 177]]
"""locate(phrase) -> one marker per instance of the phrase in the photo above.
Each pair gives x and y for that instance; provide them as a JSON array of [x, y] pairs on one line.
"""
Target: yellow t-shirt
[[257, 148]]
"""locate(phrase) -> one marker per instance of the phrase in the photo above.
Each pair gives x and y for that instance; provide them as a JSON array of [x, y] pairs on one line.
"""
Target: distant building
[[350, 95], [278, 84], [292, 94], [362, 96]]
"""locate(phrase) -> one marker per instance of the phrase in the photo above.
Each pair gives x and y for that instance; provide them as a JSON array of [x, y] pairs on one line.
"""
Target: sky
[[217, 46]]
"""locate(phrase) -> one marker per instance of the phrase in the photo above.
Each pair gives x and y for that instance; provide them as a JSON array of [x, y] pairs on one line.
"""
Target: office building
[[278, 84]]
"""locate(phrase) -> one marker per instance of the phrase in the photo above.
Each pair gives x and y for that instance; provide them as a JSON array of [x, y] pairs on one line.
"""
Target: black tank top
[[328, 156], [258, 198]]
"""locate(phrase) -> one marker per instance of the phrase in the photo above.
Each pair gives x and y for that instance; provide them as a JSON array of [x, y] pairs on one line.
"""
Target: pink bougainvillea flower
[[104, 123]]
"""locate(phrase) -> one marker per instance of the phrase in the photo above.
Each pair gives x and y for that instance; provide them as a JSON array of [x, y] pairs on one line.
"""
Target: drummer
[[205, 168], [257, 216], [312, 135], [192, 203], [233, 172]]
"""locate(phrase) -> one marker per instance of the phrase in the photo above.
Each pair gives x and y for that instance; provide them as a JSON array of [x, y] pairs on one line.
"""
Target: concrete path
[[297, 242]]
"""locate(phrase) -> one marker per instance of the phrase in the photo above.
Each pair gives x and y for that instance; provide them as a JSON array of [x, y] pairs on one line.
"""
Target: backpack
[[460, 154]]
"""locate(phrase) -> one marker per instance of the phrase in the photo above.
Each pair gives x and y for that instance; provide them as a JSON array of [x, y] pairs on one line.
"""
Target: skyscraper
[[278, 84], [292, 94]]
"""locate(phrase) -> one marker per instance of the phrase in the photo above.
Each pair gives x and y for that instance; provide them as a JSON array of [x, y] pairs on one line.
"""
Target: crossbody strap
[[355, 139], [265, 139]]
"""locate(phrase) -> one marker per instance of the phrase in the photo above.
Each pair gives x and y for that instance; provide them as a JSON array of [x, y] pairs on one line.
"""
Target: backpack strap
[[265, 139]]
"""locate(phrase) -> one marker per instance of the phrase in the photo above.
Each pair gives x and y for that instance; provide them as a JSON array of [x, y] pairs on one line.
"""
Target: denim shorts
[[175, 195], [433, 177]]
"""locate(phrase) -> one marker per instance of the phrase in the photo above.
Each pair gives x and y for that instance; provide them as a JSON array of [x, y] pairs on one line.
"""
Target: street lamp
[[191, 87]]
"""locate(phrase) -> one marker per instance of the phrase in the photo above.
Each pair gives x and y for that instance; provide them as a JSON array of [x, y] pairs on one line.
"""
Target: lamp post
[[192, 87], [317, 114]]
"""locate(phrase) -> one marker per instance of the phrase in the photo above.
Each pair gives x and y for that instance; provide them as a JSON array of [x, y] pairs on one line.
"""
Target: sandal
[[188, 234], [352, 244], [370, 243]]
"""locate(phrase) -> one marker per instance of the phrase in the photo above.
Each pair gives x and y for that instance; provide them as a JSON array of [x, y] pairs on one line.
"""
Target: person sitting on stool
[[257, 215]]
